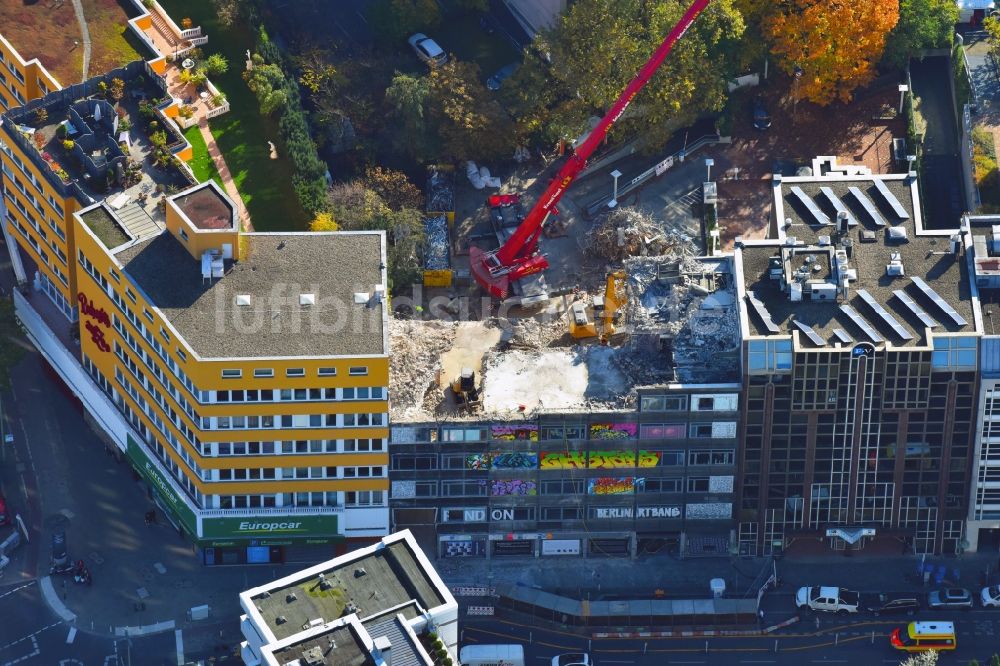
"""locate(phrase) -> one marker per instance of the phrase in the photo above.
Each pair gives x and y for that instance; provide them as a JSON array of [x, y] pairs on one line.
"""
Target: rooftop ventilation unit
[[314, 656], [868, 236], [290, 597], [281, 619], [307, 299], [956, 244], [896, 233], [823, 241], [824, 292], [895, 266], [359, 572], [243, 300], [360, 297]]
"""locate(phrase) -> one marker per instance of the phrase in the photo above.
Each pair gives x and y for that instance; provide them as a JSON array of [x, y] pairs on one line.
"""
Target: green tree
[[356, 207], [470, 122], [216, 64], [267, 82], [395, 20], [923, 24], [407, 100], [579, 67]]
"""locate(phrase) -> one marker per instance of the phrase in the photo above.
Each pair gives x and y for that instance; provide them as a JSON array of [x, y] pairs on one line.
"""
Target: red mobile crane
[[519, 257]]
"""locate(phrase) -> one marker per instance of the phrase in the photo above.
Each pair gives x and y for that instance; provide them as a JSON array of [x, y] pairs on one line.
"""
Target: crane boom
[[518, 258]]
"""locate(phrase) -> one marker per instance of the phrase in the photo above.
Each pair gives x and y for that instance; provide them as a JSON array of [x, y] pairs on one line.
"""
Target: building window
[[232, 374], [359, 370], [263, 372], [954, 353], [184, 234], [327, 372], [711, 457], [181, 355], [697, 484], [768, 356], [663, 403], [130, 294], [295, 372], [114, 275]]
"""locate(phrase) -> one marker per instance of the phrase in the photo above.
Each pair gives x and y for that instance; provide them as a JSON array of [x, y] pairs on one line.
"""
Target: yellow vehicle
[[924, 636]]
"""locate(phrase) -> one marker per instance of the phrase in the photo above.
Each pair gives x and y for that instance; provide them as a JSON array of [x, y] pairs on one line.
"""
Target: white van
[[491, 655]]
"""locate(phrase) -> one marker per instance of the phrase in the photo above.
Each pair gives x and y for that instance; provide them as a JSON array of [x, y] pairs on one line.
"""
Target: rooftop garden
[[105, 227]]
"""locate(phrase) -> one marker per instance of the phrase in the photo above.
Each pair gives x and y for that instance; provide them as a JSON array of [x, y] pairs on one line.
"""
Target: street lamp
[[797, 73], [903, 89], [709, 163], [616, 174]]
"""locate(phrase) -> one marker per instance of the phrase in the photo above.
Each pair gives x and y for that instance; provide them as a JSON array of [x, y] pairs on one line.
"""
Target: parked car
[[5, 517], [990, 596], [950, 597], [828, 599], [761, 118], [493, 83], [896, 607], [572, 659], [427, 49]]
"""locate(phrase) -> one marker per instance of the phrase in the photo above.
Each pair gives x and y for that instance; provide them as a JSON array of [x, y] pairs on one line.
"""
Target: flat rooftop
[[885, 267], [206, 209], [392, 576], [336, 647], [276, 273]]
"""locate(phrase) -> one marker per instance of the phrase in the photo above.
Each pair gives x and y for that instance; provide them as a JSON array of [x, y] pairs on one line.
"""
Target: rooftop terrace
[[883, 279], [88, 151], [335, 647], [301, 294]]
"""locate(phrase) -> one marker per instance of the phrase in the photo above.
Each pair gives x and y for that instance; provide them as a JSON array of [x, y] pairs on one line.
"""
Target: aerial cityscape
[[499, 332]]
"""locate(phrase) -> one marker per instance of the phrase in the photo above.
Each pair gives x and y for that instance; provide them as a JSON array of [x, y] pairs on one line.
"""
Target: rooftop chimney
[[384, 648]]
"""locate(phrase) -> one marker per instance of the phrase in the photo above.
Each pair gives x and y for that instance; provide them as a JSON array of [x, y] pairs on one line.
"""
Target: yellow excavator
[[467, 394], [600, 319]]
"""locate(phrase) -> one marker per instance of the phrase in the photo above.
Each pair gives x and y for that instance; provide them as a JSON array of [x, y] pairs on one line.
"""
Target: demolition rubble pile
[[436, 243], [417, 347], [440, 190], [627, 232], [688, 305]]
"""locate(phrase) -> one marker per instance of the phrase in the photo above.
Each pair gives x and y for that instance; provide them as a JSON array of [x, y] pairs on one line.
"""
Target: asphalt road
[[862, 641]]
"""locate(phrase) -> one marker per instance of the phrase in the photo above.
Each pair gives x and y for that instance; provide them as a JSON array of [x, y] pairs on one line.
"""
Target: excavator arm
[[518, 257]]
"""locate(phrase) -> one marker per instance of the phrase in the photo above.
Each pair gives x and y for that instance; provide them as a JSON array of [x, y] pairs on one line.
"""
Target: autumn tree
[[923, 24], [579, 67], [833, 45], [394, 187], [323, 222], [471, 123], [356, 208], [406, 100]]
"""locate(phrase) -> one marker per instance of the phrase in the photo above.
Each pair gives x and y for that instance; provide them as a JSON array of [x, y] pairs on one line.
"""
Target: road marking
[[34, 653], [612, 661], [71, 636], [16, 589], [179, 638]]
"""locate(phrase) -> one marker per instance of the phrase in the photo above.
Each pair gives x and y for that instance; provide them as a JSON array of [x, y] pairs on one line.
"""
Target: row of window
[[561, 487], [268, 421], [272, 473], [263, 373], [351, 499], [293, 447], [427, 461], [34, 181], [297, 395], [42, 254], [700, 430]]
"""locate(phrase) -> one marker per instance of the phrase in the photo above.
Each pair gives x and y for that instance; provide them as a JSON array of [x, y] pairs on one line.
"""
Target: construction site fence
[[627, 612]]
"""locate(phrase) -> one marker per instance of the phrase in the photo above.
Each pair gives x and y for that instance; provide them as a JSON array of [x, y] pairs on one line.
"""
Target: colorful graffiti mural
[[597, 459], [612, 430], [614, 485], [499, 487], [498, 460], [527, 433]]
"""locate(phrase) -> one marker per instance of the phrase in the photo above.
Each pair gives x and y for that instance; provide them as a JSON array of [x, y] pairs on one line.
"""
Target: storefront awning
[[850, 534]]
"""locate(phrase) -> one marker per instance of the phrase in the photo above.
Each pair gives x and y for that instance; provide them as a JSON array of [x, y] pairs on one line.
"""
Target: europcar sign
[[269, 527]]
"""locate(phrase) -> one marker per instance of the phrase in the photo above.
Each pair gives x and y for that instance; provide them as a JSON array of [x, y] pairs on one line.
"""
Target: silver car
[[950, 597], [427, 49]]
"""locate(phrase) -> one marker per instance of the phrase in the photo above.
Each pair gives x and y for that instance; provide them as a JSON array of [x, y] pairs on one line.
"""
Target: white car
[[990, 596], [427, 49], [572, 659], [829, 599]]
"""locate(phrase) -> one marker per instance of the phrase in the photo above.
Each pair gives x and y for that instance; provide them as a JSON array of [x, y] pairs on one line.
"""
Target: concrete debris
[[683, 320], [436, 243], [627, 232], [440, 191], [417, 348]]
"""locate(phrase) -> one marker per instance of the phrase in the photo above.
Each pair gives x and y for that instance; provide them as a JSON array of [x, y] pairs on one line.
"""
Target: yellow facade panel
[[291, 486], [275, 462]]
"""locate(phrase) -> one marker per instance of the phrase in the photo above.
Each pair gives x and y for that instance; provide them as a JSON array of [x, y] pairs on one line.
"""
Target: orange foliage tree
[[835, 43]]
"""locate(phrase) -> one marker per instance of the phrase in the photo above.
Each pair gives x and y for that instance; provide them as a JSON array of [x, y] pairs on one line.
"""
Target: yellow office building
[[244, 375]]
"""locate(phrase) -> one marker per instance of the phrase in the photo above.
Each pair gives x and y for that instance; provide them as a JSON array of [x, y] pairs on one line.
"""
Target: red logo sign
[[97, 335], [87, 308]]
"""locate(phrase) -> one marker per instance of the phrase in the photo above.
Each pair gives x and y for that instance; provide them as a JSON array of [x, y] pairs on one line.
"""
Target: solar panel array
[[867, 204], [843, 336], [891, 199], [762, 312], [810, 333], [818, 215], [838, 205], [891, 321], [927, 320], [860, 322], [938, 301]]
